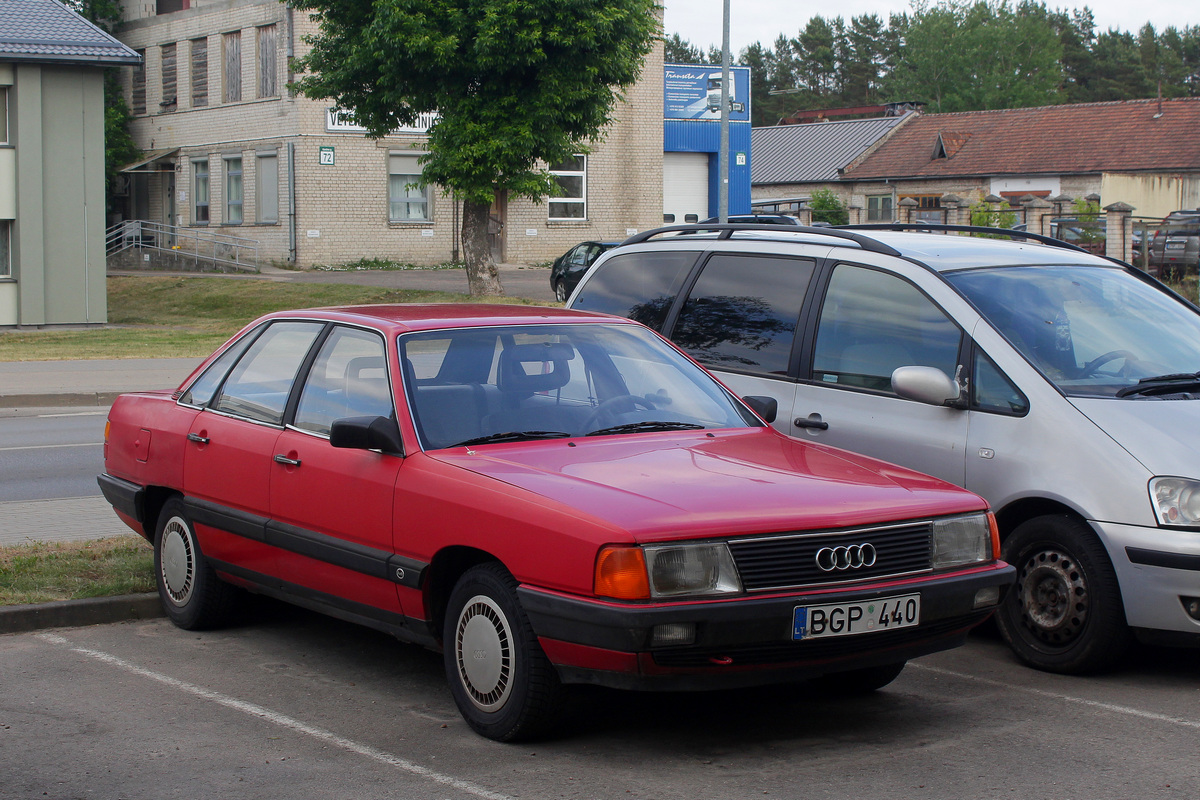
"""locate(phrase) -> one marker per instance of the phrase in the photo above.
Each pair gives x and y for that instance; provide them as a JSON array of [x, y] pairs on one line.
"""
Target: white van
[[1062, 386]]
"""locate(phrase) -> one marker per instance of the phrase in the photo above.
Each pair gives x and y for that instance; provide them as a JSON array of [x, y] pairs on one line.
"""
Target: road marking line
[[1113, 707], [281, 720], [50, 446]]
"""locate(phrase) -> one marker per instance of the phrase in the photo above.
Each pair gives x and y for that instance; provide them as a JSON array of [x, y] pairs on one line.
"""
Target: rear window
[[639, 286]]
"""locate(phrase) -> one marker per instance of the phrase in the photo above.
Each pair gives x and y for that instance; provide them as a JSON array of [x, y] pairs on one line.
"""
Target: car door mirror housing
[[367, 433], [925, 385], [765, 407]]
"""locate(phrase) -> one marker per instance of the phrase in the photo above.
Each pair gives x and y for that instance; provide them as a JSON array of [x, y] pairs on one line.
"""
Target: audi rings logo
[[840, 559]]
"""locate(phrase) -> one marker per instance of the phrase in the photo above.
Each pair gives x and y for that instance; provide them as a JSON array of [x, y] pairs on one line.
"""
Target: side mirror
[[765, 407], [925, 385], [367, 433]]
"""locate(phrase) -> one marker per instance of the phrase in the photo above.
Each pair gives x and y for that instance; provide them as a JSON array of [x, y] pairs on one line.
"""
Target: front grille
[[790, 560]]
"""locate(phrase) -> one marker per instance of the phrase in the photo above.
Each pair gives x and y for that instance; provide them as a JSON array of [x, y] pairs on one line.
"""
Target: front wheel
[[192, 595], [504, 686], [1065, 613], [560, 292]]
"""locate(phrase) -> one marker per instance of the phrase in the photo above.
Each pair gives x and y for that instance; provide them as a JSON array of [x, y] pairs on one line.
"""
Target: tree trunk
[[482, 275]]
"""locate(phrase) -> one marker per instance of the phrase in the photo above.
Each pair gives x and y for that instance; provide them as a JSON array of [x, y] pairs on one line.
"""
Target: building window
[[138, 102], [199, 72], [571, 177], [408, 198], [879, 208], [5, 249], [200, 191], [266, 175], [167, 56], [233, 67], [267, 86], [929, 208], [233, 190], [3, 115]]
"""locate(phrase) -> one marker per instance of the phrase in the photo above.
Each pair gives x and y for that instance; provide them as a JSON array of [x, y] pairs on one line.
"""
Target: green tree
[[677, 50], [826, 207], [516, 84]]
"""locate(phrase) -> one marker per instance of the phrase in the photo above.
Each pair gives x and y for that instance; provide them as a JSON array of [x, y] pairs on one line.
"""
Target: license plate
[[847, 619], [1176, 245]]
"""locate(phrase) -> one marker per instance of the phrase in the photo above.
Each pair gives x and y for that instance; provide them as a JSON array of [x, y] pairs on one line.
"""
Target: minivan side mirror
[[367, 433], [765, 407], [925, 385]]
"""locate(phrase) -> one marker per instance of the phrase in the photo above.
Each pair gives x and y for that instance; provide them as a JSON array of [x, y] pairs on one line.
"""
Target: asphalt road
[[295, 705], [51, 453]]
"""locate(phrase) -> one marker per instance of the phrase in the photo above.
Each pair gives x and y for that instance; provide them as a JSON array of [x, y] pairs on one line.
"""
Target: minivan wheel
[[1064, 614], [504, 686], [192, 595]]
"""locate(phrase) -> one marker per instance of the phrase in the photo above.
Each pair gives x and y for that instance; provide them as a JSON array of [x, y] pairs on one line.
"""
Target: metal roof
[[812, 153], [46, 30]]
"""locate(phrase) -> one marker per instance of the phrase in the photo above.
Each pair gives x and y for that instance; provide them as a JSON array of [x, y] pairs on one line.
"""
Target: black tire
[[193, 597], [1065, 613], [859, 681], [560, 292], [515, 695]]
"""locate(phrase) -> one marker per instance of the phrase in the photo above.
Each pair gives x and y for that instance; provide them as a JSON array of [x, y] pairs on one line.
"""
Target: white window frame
[[404, 173], [199, 164], [232, 203], [563, 203], [3, 115], [266, 187], [6, 248], [891, 208]]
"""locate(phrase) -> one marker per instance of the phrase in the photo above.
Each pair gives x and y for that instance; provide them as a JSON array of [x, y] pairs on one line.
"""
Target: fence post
[[953, 205], [906, 209], [1118, 232], [1036, 211]]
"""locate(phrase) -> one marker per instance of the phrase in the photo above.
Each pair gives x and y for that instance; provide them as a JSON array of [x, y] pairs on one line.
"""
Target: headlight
[[1176, 501], [691, 569], [961, 540]]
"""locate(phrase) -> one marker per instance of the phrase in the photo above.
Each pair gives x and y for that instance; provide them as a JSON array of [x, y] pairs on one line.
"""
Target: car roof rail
[[938, 227], [726, 230]]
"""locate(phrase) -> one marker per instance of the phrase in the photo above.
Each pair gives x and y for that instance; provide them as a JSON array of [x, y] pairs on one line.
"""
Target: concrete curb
[[77, 613]]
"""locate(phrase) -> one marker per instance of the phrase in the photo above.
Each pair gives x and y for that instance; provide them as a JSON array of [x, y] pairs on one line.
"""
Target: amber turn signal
[[621, 573], [995, 529]]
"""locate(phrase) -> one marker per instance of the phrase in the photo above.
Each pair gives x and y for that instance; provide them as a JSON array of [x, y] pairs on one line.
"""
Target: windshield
[[476, 386], [1090, 330]]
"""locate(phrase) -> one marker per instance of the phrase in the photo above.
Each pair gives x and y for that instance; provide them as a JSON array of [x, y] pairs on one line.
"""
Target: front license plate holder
[[856, 617]]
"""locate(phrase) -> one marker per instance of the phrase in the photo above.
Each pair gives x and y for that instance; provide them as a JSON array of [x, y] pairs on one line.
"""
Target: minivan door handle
[[813, 421]]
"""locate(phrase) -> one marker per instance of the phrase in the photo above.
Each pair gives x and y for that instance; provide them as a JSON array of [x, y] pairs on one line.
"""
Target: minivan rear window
[[639, 286]]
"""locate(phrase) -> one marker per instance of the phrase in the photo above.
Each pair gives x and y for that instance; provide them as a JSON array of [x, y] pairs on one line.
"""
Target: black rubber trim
[[124, 496], [239, 523], [1157, 558]]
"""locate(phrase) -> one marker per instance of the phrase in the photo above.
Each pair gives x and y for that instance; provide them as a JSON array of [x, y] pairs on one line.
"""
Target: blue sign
[[693, 91]]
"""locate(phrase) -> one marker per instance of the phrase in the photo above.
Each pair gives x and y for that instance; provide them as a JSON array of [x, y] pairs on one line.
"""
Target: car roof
[[402, 318], [945, 253]]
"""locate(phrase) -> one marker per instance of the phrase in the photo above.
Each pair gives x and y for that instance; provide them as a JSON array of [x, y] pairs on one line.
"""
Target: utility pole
[[723, 155]]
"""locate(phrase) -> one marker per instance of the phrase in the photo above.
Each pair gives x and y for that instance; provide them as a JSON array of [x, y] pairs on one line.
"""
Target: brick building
[[229, 149]]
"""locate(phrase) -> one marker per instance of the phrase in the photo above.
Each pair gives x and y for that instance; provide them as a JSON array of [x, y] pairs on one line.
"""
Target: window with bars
[[233, 67], [169, 99], [408, 198], [233, 190], [267, 84], [571, 177], [199, 72]]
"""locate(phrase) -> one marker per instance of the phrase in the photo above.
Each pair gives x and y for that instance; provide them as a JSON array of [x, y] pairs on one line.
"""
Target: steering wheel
[[1093, 366], [605, 414]]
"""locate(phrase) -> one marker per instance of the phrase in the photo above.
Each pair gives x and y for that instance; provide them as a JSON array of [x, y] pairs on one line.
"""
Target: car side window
[[348, 379], [873, 322], [639, 286], [993, 391], [201, 392], [742, 313], [259, 385]]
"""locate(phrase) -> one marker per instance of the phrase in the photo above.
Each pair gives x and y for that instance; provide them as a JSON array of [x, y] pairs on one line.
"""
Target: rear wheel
[[1065, 612], [860, 681], [504, 686], [193, 597], [560, 292]]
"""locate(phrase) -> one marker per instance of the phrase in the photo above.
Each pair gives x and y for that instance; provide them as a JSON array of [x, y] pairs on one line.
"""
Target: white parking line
[[281, 720], [1111, 707]]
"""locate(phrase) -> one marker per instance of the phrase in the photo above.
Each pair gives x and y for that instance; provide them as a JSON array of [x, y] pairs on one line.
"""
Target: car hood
[[1164, 435], [713, 483]]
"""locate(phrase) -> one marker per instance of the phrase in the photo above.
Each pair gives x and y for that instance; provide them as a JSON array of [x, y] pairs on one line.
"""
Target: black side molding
[[1157, 558]]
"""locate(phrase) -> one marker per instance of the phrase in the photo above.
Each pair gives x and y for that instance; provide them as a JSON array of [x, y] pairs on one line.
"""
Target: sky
[[699, 21]]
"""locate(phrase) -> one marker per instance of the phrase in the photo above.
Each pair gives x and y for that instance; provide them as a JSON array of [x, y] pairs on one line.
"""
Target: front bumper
[[1155, 568], [746, 641]]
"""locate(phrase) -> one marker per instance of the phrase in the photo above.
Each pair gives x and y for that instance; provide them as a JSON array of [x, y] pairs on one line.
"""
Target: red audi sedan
[[548, 497]]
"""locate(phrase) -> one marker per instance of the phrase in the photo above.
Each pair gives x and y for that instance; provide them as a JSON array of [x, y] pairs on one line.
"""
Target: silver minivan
[[1062, 386]]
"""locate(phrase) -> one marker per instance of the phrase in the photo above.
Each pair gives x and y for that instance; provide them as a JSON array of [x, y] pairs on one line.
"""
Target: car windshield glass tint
[[540, 381], [639, 286], [1090, 330]]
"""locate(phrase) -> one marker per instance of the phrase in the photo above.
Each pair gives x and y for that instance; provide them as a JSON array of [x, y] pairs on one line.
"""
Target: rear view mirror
[[765, 407], [925, 385], [367, 433]]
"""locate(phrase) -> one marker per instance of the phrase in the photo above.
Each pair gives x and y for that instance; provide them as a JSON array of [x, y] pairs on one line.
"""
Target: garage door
[[685, 186]]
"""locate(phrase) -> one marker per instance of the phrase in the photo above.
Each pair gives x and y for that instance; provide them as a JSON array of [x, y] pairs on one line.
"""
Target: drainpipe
[[292, 203]]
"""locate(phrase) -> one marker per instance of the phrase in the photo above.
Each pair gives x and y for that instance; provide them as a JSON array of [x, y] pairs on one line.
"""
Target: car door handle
[[807, 422], [291, 462], [197, 438]]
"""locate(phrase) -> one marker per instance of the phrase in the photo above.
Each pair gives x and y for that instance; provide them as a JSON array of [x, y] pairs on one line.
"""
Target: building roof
[[1128, 136], [814, 152], [46, 30]]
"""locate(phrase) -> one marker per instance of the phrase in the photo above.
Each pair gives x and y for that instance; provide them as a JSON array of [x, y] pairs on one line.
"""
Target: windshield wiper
[[638, 427], [1150, 385], [513, 436]]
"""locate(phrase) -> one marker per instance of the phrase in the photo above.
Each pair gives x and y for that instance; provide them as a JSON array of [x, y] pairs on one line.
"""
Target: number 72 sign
[[325, 156]]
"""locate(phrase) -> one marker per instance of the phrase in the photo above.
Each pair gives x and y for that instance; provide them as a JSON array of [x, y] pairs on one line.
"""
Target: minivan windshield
[[1092, 330]]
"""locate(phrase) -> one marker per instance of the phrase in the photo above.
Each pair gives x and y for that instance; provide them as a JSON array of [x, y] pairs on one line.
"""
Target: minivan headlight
[[691, 569], [961, 540], [1176, 501]]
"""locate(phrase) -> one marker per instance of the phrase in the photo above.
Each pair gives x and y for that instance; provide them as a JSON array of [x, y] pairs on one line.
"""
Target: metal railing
[[188, 245]]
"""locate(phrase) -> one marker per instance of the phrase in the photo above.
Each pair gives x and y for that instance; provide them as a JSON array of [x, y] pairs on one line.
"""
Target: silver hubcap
[[1054, 600], [483, 648], [178, 561]]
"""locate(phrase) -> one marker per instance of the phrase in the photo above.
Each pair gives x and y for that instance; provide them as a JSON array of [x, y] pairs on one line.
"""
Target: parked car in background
[[568, 268], [549, 498], [758, 219], [1087, 233], [1175, 246], [1061, 386]]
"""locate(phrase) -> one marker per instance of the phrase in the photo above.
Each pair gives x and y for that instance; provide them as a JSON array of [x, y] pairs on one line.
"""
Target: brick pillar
[[954, 206], [1118, 231], [1037, 212], [906, 209], [804, 214], [856, 215]]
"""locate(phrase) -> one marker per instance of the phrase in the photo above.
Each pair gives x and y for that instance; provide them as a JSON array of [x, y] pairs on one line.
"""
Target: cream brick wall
[[341, 211]]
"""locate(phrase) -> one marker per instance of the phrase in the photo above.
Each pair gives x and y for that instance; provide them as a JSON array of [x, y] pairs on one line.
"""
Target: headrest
[[528, 368]]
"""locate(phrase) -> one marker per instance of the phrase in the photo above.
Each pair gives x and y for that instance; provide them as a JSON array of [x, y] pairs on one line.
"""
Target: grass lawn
[[43, 573], [163, 317]]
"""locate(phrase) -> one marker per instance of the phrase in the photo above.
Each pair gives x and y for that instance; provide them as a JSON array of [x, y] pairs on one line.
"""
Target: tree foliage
[[828, 207]]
